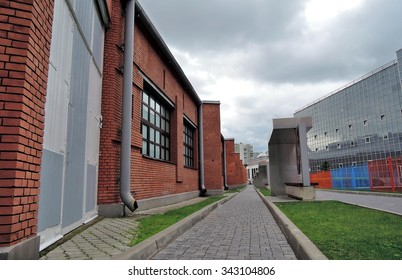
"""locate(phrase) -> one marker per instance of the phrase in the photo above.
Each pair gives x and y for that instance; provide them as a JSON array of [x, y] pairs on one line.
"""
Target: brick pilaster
[[25, 35]]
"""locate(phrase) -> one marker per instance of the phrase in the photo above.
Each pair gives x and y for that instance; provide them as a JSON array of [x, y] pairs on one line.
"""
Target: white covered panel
[[58, 89]]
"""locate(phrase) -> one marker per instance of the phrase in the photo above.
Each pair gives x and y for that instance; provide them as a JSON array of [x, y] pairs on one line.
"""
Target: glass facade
[[359, 124]]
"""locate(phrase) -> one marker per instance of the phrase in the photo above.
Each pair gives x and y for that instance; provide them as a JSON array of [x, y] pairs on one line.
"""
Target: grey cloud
[[218, 25], [269, 44], [272, 37]]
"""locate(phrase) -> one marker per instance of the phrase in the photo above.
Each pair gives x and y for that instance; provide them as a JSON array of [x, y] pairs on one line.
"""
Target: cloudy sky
[[265, 59]]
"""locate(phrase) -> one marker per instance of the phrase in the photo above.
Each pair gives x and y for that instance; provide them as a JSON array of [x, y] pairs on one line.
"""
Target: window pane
[[145, 97], [144, 147], [157, 152], [157, 137], [158, 108], [152, 134], [145, 112], [158, 121], [163, 124], [163, 151], [163, 141], [144, 131], [167, 127], [152, 116], [152, 103], [151, 150]]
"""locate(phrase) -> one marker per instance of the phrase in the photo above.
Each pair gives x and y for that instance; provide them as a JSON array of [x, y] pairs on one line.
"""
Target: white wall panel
[[72, 120]]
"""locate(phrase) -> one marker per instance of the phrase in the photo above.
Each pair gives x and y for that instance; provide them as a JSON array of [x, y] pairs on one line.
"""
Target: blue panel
[[76, 139], [50, 190], [91, 188], [360, 175], [351, 178], [84, 12]]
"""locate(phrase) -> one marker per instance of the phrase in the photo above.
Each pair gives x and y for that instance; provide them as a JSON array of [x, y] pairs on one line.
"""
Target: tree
[[325, 166]]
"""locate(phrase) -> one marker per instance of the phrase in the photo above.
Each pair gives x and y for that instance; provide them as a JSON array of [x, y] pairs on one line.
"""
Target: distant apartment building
[[356, 139], [245, 151], [254, 164]]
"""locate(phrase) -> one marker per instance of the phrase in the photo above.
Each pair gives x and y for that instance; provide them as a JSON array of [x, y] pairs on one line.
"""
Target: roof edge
[[150, 28]]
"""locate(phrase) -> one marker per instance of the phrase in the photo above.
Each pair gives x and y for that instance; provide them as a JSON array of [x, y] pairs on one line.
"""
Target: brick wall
[[213, 174], [149, 178], [25, 35], [236, 173]]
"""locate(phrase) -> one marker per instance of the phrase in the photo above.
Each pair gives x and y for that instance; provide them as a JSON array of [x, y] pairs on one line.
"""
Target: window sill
[[193, 168], [160, 160]]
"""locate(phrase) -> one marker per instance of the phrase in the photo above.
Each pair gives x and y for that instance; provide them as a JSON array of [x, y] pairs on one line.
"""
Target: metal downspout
[[125, 160], [203, 190], [225, 186]]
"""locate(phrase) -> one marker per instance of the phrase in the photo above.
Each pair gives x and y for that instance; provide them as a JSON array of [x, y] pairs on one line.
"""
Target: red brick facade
[[25, 35], [236, 173], [213, 150], [149, 177]]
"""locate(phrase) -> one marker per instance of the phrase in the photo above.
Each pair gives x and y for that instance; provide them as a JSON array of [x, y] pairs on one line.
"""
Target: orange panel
[[323, 178]]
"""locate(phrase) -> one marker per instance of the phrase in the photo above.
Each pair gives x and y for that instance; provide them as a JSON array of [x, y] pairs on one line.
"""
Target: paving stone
[[239, 229]]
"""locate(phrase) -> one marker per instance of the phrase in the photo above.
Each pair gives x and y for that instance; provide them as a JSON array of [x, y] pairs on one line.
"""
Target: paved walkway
[[106, 238], [384, 203], [242, 228]]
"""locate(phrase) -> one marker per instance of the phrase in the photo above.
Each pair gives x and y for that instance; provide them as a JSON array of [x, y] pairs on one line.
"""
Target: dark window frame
[[155, 127], [188, 145]]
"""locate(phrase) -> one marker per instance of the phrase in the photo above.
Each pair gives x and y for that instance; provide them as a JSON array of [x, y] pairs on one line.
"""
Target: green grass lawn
[[149, 226], [265, 191], [347, 232]]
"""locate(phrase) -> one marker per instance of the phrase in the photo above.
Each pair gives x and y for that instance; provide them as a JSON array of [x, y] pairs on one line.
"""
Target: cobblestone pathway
[[242, 228]]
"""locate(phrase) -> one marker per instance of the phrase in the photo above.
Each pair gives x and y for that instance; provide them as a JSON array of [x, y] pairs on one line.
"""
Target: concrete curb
[[303, 248], [149, 247], [363, 193]]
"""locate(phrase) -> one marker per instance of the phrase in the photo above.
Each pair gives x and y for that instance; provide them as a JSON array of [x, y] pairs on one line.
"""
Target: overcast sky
[[264, 59]]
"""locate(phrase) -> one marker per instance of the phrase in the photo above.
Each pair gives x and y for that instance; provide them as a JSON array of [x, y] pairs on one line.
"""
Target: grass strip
[[149, 226], [265, 191], [235, 190], [347, 232]]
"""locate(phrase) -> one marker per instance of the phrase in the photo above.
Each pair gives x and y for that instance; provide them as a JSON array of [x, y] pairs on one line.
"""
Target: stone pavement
[[242, 228], [106, 238], [381, 202]]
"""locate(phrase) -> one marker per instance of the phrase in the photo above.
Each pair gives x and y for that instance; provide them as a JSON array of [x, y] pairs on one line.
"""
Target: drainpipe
[[125, 160], [203, 190], [224, 164]]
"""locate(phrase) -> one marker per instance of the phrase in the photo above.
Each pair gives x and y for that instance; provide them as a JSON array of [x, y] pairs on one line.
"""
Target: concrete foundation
[[119, 209], [288, 158], [25, 250], [302, 193]]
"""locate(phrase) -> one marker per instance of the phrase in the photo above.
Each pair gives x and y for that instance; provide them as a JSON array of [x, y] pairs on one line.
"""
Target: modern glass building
[[356, 139]]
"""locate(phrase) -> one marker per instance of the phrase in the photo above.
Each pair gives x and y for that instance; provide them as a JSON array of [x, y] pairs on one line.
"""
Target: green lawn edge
[[347, 232], [265, 191], [149, 226]]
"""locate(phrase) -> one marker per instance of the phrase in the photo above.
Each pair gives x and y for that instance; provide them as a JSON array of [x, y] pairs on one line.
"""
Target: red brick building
[[236, 173], [95, 114], [25, 34], [165, 120], [213, 148]]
